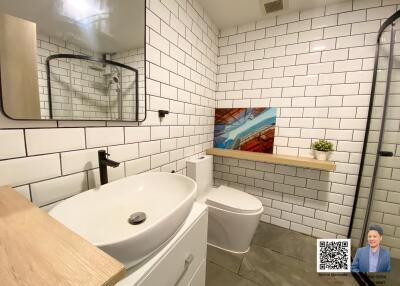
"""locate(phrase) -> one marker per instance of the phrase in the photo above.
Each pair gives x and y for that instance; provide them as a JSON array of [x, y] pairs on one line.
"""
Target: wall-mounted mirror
[[73, 59]]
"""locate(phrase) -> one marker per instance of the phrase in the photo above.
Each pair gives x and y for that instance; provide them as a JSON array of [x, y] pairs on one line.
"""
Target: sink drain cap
[[137, 218]]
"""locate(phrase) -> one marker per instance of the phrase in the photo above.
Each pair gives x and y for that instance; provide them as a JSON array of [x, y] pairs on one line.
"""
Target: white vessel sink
[[101, 215]]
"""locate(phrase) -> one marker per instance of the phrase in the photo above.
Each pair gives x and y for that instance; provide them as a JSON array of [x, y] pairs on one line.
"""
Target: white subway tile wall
[[48, 164], [315, 66]]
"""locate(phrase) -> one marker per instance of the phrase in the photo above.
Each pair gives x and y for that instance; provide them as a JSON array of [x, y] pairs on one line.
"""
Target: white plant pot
[[321, 155]]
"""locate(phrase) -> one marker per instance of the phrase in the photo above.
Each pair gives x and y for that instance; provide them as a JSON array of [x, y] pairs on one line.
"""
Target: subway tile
[[284, 61], [49, 191], [12, 144], [287, 18], [254, 55], [267, 22], [303, 210], [339, 229], [293, 91], [77, 161], [365, 27], [255, 35], [62, 139], [314, 223], [291, 217], [349, 65], [312, 13], [320, 68], [315, 204], [265, 43], [137, 134], [235, 39], [104, 136], [137, 166], [276, 30], [359, 76], [337, 8], [380, 13], [311, 35], [350, 41], [159, 159], [308, 58], [322, 45], [16, 172], [337, 31], [362, 4], [287, 39], [282, 82], [299, 26], [301, 80], [262, 64], [352, 17], [274, 52], [321, 90], [362, 52], [334, 55], [326, 21], [125, 152], [333, 78], [273, 72], [149, 148], [297, 49], [295, 70]]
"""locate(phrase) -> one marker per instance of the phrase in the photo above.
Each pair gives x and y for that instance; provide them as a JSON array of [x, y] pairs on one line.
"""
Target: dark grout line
[[232, 273]]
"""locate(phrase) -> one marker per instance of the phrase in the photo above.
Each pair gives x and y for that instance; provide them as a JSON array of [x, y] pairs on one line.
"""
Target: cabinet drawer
[[171, 268], [199, 277]]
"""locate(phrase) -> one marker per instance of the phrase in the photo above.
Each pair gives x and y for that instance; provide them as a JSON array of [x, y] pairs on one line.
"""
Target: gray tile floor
[[277, 256]]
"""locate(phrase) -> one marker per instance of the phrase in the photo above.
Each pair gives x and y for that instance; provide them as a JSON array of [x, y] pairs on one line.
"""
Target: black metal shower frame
[[362, 277], [94, 59]]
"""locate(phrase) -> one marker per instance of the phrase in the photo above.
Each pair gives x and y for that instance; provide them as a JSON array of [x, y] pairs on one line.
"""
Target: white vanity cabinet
[[181, 262]]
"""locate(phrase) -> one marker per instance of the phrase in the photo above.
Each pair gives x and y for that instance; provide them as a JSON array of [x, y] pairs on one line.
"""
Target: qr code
[[333, 255]]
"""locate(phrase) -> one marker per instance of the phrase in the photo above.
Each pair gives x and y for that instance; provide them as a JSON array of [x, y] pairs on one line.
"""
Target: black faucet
[[103, 163]]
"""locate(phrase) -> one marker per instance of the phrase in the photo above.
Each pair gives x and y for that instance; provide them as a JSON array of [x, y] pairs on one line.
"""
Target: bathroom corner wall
[[48, 161], [315, 66]]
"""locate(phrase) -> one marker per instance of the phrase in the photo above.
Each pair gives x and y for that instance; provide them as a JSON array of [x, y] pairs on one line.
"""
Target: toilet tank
[[201, 170]]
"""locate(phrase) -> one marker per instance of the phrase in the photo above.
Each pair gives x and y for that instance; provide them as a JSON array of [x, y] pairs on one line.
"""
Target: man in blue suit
[[372, 258]]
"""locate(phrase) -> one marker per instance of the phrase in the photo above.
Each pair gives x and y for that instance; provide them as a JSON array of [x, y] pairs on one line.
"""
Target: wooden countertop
[[274, 159], [35, 249]]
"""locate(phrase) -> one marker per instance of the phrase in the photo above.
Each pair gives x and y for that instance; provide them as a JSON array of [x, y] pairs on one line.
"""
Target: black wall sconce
[[162, 113]]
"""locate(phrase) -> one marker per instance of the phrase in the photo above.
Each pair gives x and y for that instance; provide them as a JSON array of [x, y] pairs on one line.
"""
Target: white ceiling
[[103, 26], [230, 13]]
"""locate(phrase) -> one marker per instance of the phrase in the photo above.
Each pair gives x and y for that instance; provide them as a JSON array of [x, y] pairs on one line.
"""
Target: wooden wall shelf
[[275, 159]]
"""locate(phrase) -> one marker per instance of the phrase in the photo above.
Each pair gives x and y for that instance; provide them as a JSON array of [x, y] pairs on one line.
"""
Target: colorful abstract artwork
[[247, 129]]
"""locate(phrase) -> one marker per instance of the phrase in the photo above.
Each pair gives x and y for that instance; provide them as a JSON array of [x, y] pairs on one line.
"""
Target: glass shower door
[[378, 197], [385, 204]]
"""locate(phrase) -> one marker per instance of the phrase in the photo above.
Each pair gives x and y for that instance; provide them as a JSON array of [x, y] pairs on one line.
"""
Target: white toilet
[[233, 214]]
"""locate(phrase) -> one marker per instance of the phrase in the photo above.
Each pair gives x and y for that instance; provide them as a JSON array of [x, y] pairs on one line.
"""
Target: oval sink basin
[[101, 215]]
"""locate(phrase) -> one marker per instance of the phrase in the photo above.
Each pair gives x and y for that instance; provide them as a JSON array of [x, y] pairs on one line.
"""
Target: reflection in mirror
[[103, 80], [89, 88]]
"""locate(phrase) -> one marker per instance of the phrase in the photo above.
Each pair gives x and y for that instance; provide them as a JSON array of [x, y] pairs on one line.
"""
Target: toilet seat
[[229, 199]]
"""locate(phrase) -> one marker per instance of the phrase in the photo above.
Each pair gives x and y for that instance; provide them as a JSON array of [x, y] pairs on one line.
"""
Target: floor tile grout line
[[236, 274]]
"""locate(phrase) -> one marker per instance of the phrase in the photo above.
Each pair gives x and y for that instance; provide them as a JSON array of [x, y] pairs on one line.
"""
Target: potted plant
[[322, 149]]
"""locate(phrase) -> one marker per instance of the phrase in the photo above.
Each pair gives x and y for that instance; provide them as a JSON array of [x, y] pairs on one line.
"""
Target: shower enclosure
[[83, 87], [377, 197]]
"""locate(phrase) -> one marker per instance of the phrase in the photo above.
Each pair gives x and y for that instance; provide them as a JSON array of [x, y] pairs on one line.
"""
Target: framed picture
[[247, 129]]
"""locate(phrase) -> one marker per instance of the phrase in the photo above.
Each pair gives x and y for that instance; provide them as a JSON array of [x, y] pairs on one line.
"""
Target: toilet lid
[[233, 200]]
